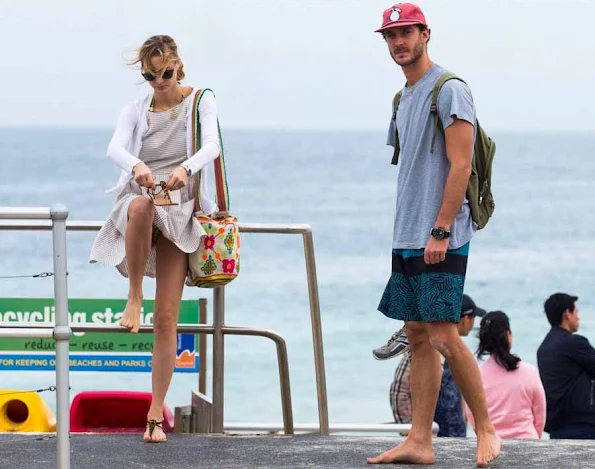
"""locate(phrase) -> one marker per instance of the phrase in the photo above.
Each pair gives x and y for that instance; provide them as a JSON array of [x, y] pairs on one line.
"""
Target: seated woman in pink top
[[513, 389]]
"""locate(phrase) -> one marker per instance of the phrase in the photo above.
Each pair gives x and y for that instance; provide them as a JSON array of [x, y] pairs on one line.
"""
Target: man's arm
[[459, 151], [457, 115], [583, 353]]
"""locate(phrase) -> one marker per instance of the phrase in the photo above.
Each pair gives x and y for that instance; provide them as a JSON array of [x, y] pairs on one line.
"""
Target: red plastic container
[[113, 412]]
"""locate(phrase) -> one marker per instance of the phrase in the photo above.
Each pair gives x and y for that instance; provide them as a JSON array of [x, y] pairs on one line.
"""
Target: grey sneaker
[[396, 345]]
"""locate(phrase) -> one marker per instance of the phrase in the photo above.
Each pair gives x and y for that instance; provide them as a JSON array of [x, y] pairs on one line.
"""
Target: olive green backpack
[[479, 189]]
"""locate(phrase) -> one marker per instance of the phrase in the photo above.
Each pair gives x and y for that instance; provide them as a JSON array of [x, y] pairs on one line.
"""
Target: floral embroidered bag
[[216, 262]]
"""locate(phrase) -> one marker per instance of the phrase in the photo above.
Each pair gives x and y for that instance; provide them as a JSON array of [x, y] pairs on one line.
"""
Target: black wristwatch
[[440, 233]]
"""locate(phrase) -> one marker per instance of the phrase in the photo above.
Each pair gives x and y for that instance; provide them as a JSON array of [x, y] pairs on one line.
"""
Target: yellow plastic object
[[24, 412]]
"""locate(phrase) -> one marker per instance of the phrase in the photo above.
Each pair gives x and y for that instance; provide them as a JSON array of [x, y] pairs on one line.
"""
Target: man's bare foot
[[488, 448], [131, 317], [409, 452], [154, 432]]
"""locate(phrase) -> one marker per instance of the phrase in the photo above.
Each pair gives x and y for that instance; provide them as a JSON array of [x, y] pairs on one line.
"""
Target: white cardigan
[[126, 142]]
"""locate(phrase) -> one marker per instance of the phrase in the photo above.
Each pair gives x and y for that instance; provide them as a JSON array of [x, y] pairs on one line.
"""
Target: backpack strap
[[396, 102], [434, 105]]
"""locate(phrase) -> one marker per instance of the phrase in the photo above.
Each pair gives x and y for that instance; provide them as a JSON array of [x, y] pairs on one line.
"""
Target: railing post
[[218, 358], [62, 333], [202, 348], [316, 333]]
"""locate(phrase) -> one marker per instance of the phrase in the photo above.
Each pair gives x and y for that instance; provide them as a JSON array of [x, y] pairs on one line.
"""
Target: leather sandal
[[152, 424], [161, 196]]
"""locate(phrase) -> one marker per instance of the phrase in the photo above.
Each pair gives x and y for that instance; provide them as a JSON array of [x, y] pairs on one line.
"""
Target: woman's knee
[[165, 322], [141, 209]]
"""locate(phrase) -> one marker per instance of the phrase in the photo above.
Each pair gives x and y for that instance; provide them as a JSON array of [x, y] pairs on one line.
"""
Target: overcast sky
[[307, 64]]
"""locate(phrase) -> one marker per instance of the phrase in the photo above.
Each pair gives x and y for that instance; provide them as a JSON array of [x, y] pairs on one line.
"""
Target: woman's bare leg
[[172, 267], [138, 247]]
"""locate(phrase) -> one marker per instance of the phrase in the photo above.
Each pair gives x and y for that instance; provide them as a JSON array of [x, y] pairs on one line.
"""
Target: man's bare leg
[[445, 338], [138, 246], [425, 386]]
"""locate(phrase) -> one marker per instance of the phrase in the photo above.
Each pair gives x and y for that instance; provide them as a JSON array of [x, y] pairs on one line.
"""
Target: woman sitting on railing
[[151, 229], [513, 389]]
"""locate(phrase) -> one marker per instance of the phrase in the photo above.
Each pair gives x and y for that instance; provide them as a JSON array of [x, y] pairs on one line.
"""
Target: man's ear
[[426, 34]]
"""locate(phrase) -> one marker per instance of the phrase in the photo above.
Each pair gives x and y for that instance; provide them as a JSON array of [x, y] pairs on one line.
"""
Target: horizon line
[[294, 129]]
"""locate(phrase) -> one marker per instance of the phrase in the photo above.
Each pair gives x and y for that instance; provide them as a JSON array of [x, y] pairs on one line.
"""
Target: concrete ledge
[[27, 451]]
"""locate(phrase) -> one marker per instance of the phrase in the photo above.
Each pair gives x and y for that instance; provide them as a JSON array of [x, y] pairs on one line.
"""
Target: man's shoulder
[[453, 86], [553, 335], [578, 340], [561, 339], [547, 342]]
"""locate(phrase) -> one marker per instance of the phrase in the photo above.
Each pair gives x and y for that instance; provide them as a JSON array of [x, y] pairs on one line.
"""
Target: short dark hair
[[422, 28], [556, 305]]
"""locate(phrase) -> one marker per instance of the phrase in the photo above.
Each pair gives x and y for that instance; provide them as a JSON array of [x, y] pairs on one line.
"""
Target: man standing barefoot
[[432, 231]]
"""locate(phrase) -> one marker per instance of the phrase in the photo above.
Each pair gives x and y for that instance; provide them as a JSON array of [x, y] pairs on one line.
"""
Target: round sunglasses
[[166, 75]]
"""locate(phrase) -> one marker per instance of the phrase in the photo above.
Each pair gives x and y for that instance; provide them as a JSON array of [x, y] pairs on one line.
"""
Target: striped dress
[[163, 150]]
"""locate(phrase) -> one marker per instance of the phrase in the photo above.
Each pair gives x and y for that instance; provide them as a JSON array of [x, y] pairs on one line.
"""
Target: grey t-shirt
[[422, 175]]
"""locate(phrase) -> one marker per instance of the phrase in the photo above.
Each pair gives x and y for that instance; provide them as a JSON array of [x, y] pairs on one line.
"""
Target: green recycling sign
[[91, 351]]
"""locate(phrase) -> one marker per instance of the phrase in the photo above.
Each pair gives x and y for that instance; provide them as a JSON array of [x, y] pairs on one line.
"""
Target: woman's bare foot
[[131, 317], [409, 452], [154, 432], [488, 448]]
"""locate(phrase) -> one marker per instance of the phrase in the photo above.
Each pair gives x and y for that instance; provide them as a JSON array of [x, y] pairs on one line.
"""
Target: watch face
[[438, 233]]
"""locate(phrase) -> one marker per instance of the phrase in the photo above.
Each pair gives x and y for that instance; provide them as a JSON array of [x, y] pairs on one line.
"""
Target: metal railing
[[218, 329], [366, 428], [61, 332]]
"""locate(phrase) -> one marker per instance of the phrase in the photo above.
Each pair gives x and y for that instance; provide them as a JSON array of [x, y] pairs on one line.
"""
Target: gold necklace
[[174, 112]]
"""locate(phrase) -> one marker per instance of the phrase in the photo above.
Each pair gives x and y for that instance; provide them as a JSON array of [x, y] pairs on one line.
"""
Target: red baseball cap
[[401, 14]]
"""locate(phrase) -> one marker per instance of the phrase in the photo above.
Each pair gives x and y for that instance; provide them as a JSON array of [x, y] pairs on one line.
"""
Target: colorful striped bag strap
[[222, 193]]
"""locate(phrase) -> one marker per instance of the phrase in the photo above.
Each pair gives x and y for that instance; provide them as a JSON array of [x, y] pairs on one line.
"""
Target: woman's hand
[[177, 179], [143, 176]]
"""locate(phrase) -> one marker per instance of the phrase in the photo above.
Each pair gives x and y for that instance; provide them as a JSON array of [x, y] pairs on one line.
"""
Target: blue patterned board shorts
[[424, 292]]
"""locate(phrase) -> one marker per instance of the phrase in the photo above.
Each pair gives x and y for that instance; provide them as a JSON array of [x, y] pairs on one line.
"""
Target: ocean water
[[539, 241]]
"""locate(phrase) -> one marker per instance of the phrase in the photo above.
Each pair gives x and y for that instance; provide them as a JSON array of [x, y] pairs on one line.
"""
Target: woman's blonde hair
[[163, 46]]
